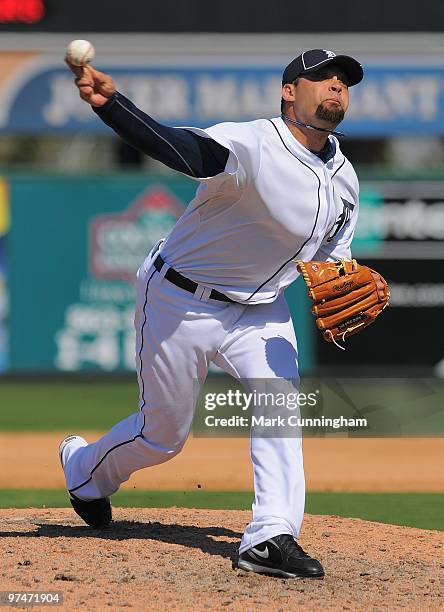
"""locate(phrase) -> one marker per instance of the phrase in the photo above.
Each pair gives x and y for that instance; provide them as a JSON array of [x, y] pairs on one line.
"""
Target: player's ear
[[288, 92]]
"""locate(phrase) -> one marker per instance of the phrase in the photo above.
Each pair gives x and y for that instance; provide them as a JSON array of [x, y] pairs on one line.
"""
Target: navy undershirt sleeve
[[178, 148]]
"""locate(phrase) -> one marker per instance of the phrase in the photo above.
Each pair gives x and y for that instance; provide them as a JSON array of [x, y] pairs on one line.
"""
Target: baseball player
[[270, 192]]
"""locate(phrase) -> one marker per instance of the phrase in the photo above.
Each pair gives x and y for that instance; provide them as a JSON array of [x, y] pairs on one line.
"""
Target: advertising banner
[[393, 99], [76, 246]]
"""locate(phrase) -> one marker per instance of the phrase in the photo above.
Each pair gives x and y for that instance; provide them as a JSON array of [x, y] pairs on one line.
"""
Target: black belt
[[185, 283]]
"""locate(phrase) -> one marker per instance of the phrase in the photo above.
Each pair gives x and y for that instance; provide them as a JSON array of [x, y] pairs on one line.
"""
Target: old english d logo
[[343, 218]]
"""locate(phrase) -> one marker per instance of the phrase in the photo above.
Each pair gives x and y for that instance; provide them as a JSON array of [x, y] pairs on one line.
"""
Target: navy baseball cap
[[310, 61]]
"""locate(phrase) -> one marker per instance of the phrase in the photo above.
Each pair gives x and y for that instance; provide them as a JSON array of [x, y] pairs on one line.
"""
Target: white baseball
[[80, 52]]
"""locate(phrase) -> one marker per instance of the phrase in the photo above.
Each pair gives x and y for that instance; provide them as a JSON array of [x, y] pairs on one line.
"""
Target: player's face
[[321, 95]]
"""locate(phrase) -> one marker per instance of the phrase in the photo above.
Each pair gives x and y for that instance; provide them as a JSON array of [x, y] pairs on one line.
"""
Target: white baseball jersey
[[274, 203]]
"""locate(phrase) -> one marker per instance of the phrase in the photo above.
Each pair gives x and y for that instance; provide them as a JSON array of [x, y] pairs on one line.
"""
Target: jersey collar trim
[[328, 152], [298, 149]]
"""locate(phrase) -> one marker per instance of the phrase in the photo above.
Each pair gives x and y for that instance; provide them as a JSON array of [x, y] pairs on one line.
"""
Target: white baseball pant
[[177, 335]]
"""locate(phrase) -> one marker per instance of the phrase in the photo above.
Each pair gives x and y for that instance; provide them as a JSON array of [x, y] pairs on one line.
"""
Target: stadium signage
[[391, 100], [408, 219], [21, 11], [119, 242]]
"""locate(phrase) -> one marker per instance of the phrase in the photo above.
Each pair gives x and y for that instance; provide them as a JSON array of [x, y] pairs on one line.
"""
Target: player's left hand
[[347, 296], [95, 87]]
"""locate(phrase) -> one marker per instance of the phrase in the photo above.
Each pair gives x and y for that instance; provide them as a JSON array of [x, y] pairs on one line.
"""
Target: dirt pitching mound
[[180, 559]]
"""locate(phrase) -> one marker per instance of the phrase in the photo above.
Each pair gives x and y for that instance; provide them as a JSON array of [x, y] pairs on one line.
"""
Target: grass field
[[65, 406], [422, 510], [393, 406]]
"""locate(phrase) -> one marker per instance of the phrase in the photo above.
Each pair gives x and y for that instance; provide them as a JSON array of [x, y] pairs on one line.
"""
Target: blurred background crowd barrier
[[79, 209]]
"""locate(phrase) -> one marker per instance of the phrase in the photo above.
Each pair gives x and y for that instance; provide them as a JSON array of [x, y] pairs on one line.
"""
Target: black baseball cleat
[[96, 513], [280, 556]]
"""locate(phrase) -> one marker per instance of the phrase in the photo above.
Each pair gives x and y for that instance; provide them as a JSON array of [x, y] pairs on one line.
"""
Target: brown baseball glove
[[347, 296]]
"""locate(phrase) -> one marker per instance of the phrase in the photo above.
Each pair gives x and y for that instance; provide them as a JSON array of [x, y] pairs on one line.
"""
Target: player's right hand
[[94, 87]]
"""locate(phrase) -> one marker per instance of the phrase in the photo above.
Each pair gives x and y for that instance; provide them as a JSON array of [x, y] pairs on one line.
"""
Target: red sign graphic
[[21, 11], [119, 242]]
